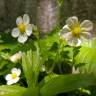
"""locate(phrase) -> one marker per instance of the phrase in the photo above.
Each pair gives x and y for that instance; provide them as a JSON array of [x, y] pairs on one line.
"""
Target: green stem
[[60, 49]]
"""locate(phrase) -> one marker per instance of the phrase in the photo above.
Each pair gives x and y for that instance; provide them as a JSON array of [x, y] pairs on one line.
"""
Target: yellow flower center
[[76, 31], [22, 27], [14, 75]]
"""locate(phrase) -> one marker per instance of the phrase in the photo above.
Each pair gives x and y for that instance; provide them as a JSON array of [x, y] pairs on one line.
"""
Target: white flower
[[13, 77], [14, 58], [43, 69], [23, 29], [75, 32], [75, 70]]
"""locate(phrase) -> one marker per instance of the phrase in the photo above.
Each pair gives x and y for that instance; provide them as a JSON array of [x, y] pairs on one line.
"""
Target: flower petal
[[19, 20], [70, 39], [66, 36], [79, 42], [65, 32], [8, 77], [26, 19], [29, 29], [86, 35], [18, 72], [16, 79], [65, 29], [10, 82], [86, 25], [14, 70], [73, 41], [71, 21], [22, 38], [15, 32]]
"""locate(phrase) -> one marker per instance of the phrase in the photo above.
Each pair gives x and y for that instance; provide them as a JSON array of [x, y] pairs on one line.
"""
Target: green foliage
[[32, 91], [13, 90], [66, 83], [31, 63], [87, 56], [58, 59], [60, 2]]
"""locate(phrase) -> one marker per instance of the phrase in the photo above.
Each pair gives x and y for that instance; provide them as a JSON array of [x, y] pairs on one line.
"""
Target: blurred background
[[46, 14]]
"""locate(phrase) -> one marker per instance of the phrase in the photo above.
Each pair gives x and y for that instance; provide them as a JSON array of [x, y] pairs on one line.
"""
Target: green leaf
[[32, 91], [66, 83], [87, 56], [47, 43], [8, 42], [27, 66], [31, 63], [11, 90], [46, 79]]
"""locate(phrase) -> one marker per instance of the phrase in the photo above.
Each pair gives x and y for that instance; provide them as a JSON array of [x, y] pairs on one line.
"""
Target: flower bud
[[14, 58]]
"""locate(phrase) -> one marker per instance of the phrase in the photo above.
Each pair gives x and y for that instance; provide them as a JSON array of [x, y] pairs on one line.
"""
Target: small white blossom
[[75, 70], [23, 29], [14, 58], [13, 77], [75, 32], [43, 69]]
